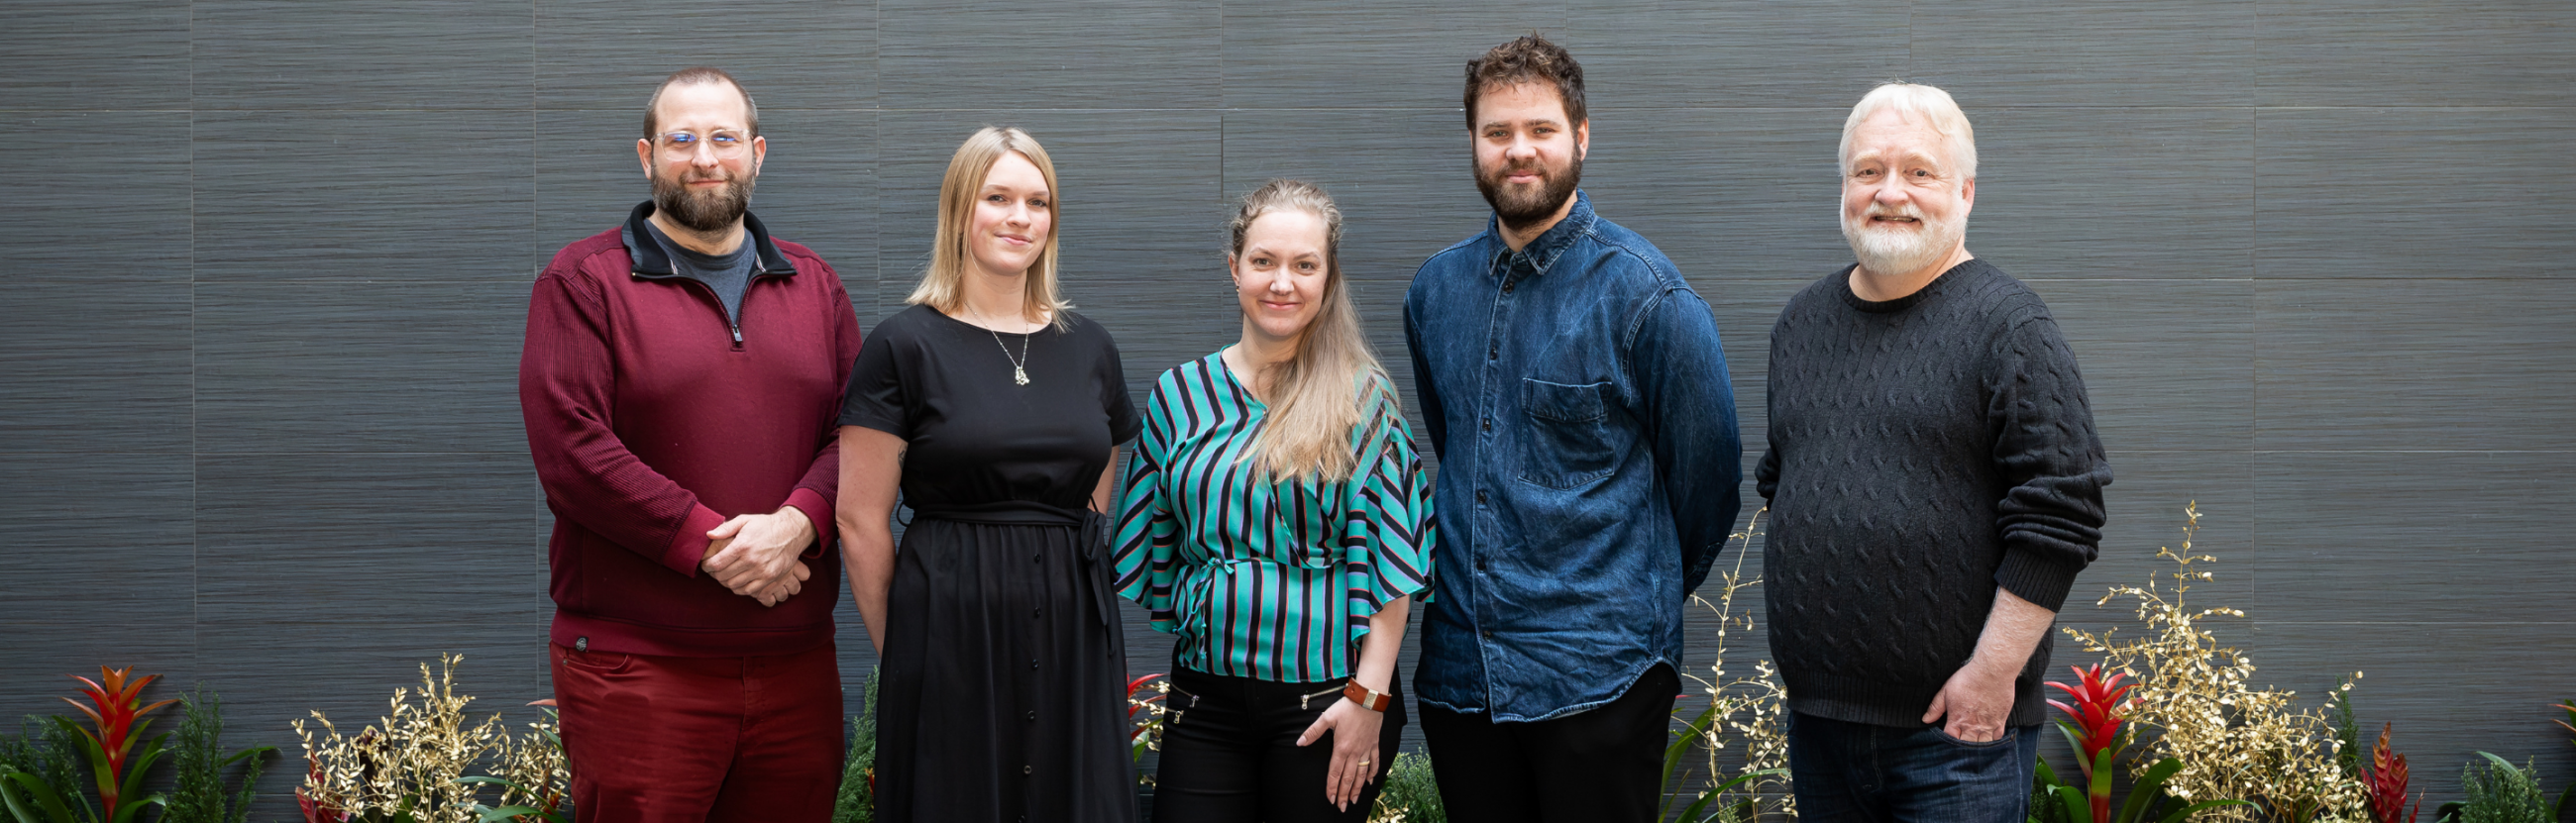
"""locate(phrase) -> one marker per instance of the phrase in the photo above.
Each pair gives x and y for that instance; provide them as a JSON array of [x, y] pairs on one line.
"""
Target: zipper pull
[[737, 336]]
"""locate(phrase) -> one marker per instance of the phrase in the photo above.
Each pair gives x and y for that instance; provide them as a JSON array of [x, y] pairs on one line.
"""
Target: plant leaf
[[44, 798], [2150, 786], [2078, 807], [2186, 812], [127, 808]]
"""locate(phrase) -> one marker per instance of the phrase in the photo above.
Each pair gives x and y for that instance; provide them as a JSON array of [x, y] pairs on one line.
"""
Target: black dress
[[1003, 693]]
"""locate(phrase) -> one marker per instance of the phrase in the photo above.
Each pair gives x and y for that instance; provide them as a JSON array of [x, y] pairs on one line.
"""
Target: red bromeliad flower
[[2386, 783], [119, 706], [2100, 707], [2101, 704]]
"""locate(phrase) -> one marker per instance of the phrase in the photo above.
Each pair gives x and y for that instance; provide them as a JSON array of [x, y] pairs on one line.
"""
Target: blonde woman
[[996, 412], [1276, 518]]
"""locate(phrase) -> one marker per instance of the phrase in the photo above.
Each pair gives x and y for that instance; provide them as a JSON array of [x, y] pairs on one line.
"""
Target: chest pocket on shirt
[[1567, 443]]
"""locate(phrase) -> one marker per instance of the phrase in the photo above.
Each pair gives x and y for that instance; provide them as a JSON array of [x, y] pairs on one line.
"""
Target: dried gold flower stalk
[[540, 777], [2236, 741], [1748, 708], [410, 762]]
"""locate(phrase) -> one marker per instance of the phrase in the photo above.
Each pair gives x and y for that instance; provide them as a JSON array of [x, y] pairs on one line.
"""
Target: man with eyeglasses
[[680, 380]]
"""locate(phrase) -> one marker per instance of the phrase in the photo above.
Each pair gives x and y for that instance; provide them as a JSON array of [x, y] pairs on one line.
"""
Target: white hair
[[1931, 104]]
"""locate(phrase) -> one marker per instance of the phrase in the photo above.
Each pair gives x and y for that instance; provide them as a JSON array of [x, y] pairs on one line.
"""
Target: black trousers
[[1230, 752], [1605, 764]]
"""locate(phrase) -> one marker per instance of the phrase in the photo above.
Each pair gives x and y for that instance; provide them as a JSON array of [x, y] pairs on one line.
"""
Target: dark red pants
[[670, 739]]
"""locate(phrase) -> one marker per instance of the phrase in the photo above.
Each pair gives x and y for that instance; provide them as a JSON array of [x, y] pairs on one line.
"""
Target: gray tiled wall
[[268, 259]]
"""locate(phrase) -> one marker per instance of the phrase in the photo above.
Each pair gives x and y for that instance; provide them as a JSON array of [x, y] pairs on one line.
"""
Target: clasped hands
[[756, 555]]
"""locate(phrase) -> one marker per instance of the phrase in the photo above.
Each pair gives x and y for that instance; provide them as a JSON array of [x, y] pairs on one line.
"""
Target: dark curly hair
[[1530, 59]]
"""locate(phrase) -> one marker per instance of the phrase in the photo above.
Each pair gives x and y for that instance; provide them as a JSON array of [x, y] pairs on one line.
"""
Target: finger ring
[[1364, 762]]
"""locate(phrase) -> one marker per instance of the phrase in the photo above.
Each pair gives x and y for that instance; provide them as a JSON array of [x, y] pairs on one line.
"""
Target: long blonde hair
[[1333, 383], [943, 283]]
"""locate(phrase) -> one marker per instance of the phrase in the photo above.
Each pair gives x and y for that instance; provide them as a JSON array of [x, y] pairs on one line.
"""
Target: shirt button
[[1489, 424], [1037, 558], [1480, 497], [1489, 634], [1480, 564], [1493, 350], [1033, 717], [1033, 613], [1033, 664], [1507, 287], [1028, 770]]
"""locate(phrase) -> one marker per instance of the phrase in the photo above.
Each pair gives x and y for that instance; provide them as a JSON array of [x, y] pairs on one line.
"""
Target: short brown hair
[[1530, 59], [691, 76]]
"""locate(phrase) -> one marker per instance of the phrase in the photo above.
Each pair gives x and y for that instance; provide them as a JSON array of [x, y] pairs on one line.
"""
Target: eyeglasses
[[725, 143]]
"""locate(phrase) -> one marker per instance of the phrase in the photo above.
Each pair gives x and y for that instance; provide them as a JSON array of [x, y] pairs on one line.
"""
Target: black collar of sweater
[[1964, 271], [651, 261]]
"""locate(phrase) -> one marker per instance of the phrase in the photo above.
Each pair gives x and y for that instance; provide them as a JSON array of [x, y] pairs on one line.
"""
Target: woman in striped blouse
[[1276, 517]]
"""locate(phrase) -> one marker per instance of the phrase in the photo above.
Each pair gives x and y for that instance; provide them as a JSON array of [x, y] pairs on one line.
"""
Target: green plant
[[2347, 729], [200, 760], [40, 770], [116, 765], [2500, 792], [1410, 795], [857, 801], [2056, 801]]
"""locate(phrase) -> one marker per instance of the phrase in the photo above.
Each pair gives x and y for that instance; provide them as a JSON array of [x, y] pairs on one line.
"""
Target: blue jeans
[[1859, 772]]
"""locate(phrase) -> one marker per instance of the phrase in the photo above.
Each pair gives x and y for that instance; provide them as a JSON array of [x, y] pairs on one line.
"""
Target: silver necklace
[[1020, 365]]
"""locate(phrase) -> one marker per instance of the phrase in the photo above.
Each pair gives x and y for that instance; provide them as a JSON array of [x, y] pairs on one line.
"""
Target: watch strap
[[1371, 700]]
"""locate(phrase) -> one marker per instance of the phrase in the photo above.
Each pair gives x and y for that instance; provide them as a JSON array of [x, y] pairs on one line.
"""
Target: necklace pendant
[[1020, 375]]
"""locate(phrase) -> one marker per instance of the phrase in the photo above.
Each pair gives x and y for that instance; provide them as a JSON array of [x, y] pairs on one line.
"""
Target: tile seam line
[[1426, 107]]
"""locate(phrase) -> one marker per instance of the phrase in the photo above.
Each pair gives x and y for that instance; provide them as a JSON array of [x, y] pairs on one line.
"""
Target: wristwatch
[[1370, 700]]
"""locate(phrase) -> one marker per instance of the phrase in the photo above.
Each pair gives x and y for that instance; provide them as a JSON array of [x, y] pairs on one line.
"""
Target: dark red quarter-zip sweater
[[654, 417]]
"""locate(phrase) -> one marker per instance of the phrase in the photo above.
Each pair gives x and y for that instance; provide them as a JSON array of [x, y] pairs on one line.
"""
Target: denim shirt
[[1577, 397]]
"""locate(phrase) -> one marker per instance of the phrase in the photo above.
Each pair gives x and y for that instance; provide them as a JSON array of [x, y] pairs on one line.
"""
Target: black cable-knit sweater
[[1924, 451]]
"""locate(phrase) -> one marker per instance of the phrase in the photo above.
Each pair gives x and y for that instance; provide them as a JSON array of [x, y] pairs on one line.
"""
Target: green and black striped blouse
[[1262, 578]]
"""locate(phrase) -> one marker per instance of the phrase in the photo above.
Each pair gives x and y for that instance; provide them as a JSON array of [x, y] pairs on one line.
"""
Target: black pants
[[1230, 752], [1605, 764]]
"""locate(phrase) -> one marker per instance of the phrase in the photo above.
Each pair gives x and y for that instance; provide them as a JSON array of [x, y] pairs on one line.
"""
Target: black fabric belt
[[1090, 543]]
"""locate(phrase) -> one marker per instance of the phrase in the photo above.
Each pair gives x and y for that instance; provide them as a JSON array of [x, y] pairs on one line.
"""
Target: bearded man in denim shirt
[[1574, 388]]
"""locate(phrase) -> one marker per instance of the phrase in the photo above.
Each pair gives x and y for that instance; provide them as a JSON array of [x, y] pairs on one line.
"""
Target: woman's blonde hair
[[943, 283], [1333, 383]]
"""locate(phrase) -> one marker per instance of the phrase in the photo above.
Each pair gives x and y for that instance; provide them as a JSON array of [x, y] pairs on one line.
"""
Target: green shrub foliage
[[1411, 791], [2500, 792], [857, 802], [50, 752], [200, 796]]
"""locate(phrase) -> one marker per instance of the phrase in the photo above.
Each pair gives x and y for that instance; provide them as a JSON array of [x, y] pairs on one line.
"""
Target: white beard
[[1892, 251]]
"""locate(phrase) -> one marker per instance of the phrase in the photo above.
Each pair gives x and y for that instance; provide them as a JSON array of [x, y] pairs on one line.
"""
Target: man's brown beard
[[1518, 213], [713, 211]]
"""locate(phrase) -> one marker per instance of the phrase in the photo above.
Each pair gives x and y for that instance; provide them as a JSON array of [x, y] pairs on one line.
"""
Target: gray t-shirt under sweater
[[728, 274]]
